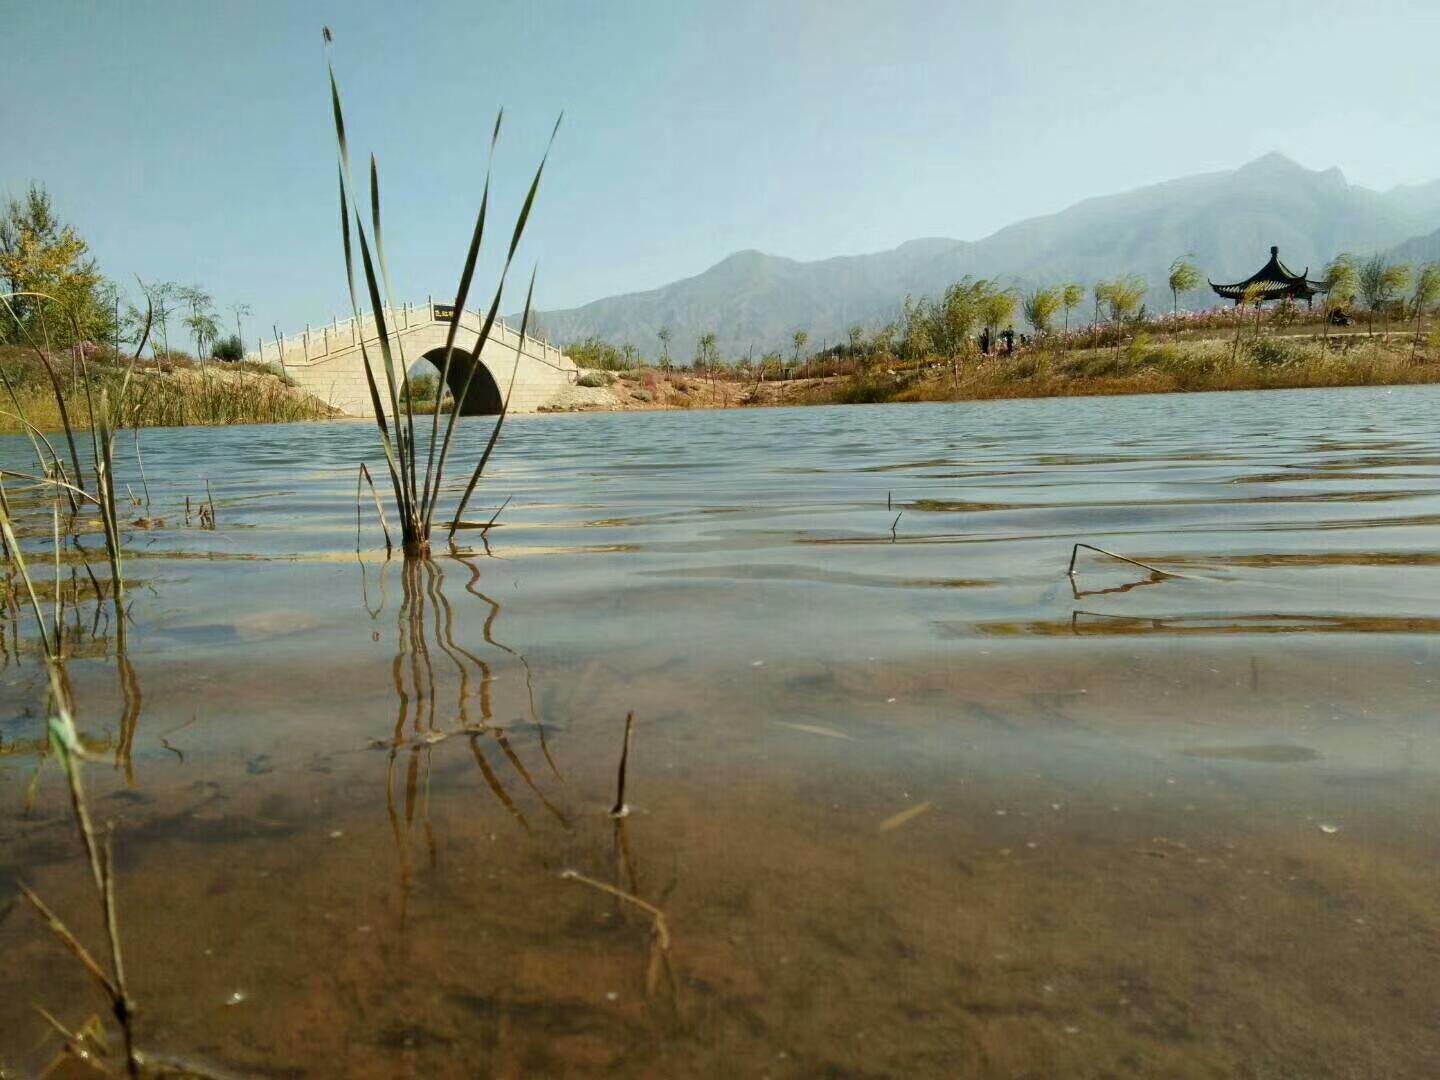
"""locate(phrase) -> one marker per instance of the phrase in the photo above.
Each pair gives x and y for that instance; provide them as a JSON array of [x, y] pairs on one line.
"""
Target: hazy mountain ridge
[[1225, 220]]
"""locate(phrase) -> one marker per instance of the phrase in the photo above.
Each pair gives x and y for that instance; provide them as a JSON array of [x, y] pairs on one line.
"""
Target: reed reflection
[[445, 692]]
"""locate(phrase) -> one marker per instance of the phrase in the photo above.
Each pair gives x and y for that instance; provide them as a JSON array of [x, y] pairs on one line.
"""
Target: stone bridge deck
[[328, 362]]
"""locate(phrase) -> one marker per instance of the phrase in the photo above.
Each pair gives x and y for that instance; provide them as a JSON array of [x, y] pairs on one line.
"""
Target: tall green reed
[[417, 493]]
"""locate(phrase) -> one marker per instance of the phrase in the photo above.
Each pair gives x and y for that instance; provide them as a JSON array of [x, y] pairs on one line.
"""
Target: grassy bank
[[1143, 365], [1147, 366], [175, 393]]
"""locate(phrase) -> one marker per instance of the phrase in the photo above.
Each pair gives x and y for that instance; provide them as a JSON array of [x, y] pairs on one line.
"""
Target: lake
[[908, 799]]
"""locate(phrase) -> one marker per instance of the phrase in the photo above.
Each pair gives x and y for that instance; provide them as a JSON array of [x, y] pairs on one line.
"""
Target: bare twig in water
[[210, 497], [1075, 552], [500, 509], [619, 810], [658, 925], [895, 523]]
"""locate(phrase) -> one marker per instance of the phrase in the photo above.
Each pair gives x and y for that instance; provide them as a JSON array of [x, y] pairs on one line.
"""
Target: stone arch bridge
[[327, 362]]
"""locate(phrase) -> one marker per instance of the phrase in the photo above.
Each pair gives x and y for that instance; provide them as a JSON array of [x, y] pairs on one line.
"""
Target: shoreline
[[1143, 367]]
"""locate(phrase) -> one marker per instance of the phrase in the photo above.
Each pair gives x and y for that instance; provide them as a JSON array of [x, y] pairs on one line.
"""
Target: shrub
[[422, 387], [594, 353], [1267, 352], [594, 379], [230, 349], [643, 395], [865, 391]]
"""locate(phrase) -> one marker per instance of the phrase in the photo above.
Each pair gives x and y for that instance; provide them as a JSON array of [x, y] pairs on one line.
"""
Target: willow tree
[[954, 319], [1252, 297], [997, 307], [1184, 278], [799, 340], [1380, 282], [1124, 298], [1101, 292], [1427, 291], [1039, 307], [1071, 296], [1340, 282]]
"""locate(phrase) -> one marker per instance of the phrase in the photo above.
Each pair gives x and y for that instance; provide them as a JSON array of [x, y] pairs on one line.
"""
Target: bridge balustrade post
[[305, 341]]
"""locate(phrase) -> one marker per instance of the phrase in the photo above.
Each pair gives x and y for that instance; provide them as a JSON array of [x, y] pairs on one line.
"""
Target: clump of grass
[[416, 491]]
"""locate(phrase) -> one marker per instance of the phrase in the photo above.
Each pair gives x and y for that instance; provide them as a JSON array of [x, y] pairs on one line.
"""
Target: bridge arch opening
[[484, 398]]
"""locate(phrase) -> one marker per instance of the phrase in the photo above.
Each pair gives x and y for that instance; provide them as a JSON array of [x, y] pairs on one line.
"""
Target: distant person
[[985, 341], [1009, 336]]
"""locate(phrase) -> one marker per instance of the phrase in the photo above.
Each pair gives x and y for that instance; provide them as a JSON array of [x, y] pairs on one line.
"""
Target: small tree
[[1250, 298], [1184, 278], [41, 254], [1101, 292], [1380, 282], [917, 337], [1071, 297], [800, 340], [882, 339], [1039, 307], [239, 311], [201, 320], [707, 354], [1123, 297], [666, 336], [161, 296], [1341, 281], [1427, 291]]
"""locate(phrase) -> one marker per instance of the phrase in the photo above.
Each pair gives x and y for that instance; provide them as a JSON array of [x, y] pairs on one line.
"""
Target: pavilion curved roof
[[1276, 281]]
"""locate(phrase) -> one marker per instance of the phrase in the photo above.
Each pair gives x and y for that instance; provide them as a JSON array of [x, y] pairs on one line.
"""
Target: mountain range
[[1225, 221]]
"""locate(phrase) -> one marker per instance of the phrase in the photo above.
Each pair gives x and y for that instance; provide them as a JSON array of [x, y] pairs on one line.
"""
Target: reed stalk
[[65, 741]]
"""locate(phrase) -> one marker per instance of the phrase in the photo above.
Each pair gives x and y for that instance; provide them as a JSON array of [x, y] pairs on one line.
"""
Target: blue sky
[[192, 141]]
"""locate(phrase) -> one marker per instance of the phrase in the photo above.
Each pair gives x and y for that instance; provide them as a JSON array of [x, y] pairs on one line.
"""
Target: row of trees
[[946, 327], [40, 254]]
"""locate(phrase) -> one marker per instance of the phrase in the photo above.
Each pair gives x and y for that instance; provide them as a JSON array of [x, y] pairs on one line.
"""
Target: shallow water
[[911, 802]]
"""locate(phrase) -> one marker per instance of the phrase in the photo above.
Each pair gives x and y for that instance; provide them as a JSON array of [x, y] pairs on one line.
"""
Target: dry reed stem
[[660, 926], [379, 512], [1075, 551], [620, 810], [66, 743]]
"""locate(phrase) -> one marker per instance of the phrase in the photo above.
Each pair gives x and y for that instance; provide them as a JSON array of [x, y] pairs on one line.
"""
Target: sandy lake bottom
[[909, 801]]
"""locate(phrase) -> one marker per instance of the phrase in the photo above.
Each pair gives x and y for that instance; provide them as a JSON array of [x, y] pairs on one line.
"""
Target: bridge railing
[[316, 343]]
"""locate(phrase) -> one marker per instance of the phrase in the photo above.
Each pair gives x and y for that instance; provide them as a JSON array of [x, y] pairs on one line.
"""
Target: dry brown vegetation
[[175, 392]]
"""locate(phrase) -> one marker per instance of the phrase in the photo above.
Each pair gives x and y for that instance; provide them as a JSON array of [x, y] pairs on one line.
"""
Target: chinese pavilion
[[1275, 281]]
